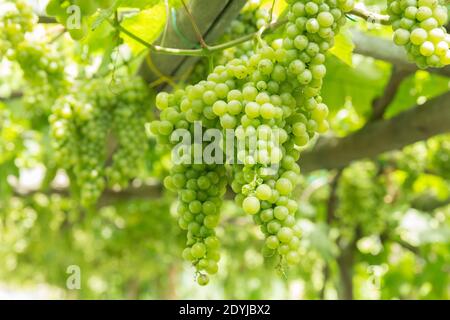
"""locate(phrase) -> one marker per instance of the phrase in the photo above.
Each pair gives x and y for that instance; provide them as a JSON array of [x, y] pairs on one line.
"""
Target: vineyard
[[225, 149]]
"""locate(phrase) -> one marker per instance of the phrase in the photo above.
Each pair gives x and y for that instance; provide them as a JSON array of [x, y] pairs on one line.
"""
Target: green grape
[[251, 205], [203, 279]]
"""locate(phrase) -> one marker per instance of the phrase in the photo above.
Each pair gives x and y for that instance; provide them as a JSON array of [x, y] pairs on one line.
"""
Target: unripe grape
[[401, 37], [203, 279], [251, 205]]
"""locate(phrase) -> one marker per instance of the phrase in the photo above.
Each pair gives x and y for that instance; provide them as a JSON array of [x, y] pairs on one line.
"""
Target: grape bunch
[[42, 64], [200, 186], [285, 81], [91, 118], [356, 210], [419, 26], [11, 135], [129, 117], [270, 101], [16, 19]]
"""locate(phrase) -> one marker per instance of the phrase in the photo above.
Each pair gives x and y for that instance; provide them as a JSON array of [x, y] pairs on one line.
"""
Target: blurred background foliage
[[376, 229]]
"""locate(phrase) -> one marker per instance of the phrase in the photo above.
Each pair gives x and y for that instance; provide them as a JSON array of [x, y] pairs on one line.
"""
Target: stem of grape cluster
[[208, 50], [196, 52]]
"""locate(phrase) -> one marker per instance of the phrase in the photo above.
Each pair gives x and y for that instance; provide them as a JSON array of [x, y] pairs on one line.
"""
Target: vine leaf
[[343, 47], [147, 24]]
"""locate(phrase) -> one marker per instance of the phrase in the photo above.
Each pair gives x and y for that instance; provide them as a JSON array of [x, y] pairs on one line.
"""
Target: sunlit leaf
[[343, 47], [147, 25]]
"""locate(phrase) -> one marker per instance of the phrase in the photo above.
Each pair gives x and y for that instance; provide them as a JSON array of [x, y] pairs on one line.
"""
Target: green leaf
[[360, 83], [343, 47], [105, 14], [417, 89], [100, 39], [147, 25]]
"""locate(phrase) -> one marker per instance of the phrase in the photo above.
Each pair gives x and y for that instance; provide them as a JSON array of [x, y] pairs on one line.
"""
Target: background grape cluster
[[419, 26], [42, 65], [99, 133]]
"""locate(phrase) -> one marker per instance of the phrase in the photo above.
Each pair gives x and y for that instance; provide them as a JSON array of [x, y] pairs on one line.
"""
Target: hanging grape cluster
[[42, 64], [16, 19], [419, 26], [11, 140], [99, 133], [200, 186], [271, 102], [43, 68]]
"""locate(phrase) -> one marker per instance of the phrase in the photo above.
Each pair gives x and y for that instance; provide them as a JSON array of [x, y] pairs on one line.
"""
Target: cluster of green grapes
[[16, 19], [129, 117], [419, 26], [271, 102], [282, 100], [200, 187], [11, 141], [74, 14], [42, 65], [252, 17], [356, 209], [87, 124]]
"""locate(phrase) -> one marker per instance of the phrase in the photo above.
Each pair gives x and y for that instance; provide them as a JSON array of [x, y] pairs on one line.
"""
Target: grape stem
[[203, 52], [372, 17], [359, 11], [195, 26]]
